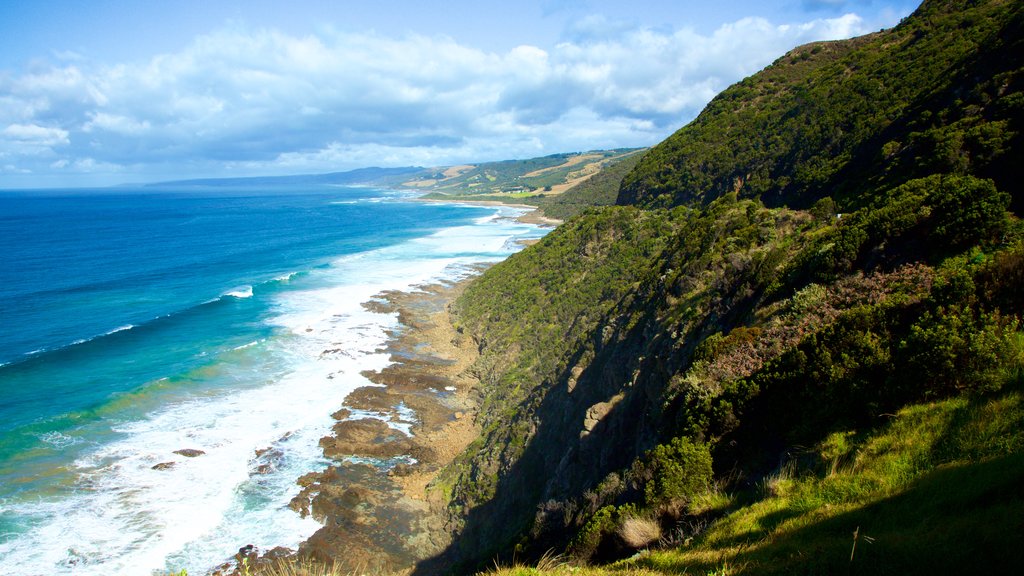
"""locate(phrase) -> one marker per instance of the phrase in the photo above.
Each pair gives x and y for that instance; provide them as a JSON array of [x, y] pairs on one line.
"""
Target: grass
[[937, 490]]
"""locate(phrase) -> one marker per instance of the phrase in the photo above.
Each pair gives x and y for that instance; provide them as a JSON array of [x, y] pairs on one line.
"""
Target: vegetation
[[536, 180], [940, 93], [601, 189], [932, 491], [796, 346]]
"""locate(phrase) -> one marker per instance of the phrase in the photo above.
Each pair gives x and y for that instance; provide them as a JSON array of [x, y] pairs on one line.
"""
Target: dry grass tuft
[[639, 533]]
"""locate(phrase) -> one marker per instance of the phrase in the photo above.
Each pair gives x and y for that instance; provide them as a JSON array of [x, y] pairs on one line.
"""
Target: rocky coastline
[[374, 503], [389, 441]]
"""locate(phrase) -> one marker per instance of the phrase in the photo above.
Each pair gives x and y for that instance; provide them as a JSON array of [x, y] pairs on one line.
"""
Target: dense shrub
[[674, 472]]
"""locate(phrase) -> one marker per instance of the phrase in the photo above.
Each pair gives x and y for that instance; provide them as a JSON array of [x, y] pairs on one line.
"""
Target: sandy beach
[[534, 216]]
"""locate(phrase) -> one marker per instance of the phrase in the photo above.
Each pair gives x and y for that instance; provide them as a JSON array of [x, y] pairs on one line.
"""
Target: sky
[[105, 92]]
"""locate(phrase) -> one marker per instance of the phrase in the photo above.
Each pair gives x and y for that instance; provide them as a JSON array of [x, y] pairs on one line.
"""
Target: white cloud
[[115, 123], [30, 141], [265, 101]]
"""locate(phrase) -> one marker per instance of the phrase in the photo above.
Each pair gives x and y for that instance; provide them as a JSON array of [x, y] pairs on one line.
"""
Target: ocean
[[137, 324]]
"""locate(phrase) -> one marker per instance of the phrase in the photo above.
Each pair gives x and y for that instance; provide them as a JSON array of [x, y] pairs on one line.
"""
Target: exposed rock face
[[189, 452]]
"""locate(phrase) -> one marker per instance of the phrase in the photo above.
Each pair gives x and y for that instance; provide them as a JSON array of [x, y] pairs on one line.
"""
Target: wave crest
[[240, 292]]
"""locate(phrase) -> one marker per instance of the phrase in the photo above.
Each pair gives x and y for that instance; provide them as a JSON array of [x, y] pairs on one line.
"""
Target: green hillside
[[601, 189], [940, 93], [532, 180], [803, 321]]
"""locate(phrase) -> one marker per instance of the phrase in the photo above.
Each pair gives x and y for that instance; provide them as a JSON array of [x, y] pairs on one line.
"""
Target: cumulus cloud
[[266, 102], [33, 135]]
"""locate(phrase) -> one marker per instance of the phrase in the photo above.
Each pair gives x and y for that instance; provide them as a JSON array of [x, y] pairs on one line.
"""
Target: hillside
[[804, 316], [940, 93], [529, 181]]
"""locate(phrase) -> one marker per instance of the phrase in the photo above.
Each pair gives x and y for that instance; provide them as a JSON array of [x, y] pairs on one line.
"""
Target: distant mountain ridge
[[357, 176]]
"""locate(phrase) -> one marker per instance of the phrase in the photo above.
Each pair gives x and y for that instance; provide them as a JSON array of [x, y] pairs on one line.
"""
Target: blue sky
[[104, 92]]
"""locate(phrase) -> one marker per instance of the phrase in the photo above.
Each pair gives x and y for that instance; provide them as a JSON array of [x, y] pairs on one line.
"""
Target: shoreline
[[391, 439], [373, 500], [427, 385], [535, 215]]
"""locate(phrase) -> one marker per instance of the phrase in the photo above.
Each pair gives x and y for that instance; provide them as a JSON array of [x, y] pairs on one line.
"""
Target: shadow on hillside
[[559, 463], [965, 519]]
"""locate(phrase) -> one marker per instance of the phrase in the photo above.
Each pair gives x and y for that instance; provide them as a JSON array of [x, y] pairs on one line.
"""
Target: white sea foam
[[59, 440], [249, 345], [240, 292], [125, 517]]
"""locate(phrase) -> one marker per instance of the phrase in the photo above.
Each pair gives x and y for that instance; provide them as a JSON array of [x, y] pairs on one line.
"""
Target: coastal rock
[[370, 398], [381, 516], [189, 452], [402, 470], [366, 437], [163, 466], [267, 460]]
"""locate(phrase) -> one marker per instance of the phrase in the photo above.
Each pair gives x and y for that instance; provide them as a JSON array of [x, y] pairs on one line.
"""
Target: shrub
[[953, 350], [676, 471], [966, 210]]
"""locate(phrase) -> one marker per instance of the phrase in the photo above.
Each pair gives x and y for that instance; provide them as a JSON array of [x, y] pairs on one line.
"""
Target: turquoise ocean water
[[138, 323]]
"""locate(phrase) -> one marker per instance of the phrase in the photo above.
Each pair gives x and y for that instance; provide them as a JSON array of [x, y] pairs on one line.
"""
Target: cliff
[[831, 242]]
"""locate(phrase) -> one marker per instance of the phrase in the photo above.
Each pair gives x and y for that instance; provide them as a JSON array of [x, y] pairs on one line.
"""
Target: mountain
[[937, 94], [803, 316]]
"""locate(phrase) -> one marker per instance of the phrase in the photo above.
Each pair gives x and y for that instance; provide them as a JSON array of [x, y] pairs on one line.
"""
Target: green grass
[[938, 490]]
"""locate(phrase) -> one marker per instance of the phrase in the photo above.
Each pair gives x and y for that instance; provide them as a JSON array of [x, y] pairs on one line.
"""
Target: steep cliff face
[[735, 309]]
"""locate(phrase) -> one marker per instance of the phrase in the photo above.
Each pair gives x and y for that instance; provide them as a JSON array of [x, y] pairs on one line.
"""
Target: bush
[[951, 349], [675, 472], [967, 210]]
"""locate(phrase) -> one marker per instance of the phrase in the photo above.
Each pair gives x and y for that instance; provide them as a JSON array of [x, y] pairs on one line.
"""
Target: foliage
[[927, 219], [599, 190], [932, 489], [522, 179], [675, 471], [941, 93], [541, 312]]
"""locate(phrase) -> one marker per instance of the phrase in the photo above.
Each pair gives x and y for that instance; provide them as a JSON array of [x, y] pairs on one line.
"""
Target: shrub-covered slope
[[940, 93], [642, 360]]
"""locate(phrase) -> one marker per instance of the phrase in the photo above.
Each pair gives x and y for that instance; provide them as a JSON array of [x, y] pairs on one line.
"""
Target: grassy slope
[[517, 180], [601, 189], [938, 490]]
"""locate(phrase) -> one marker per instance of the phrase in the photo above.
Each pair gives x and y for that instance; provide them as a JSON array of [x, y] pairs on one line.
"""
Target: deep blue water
[[134, 323], [77, 270]]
